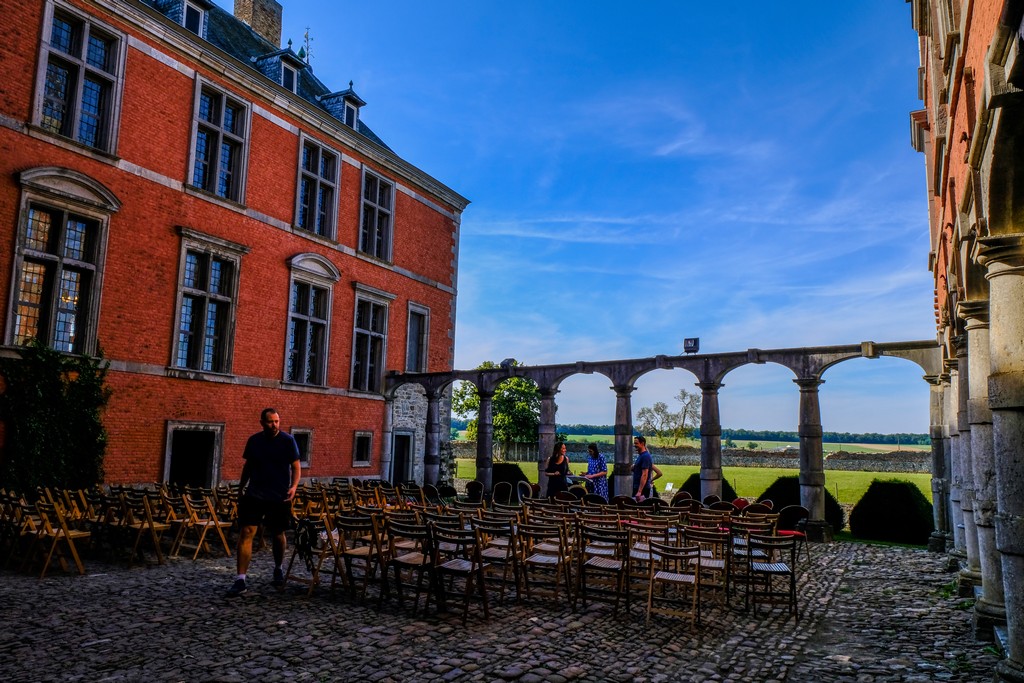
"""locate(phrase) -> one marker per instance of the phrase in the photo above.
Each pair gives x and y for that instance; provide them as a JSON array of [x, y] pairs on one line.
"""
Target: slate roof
[[238, 40]]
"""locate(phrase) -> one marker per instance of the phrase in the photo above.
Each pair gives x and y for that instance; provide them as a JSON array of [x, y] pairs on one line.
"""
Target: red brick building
[[182, 193]]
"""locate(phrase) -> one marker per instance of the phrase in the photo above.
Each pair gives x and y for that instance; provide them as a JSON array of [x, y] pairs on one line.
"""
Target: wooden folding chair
[[202, 518], [419, 560], [53, 529], [497, 535], [139, 522], [544, 550], [457, 556], [602, 564], [673, 581], [359, 547]]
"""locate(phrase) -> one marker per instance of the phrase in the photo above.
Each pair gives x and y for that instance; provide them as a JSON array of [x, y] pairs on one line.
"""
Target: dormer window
[[344, 106], [193, 18], [289, 77]]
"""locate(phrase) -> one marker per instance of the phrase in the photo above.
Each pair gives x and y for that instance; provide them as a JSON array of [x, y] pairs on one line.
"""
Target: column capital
[[974, 312], [808, 383], [623, 390], [709, 387], [1001, 254]]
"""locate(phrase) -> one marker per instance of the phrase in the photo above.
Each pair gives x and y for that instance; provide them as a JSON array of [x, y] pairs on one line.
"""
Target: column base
[[987, 616], [969, 579], [938, 542], [818, 531], [1008, 671]]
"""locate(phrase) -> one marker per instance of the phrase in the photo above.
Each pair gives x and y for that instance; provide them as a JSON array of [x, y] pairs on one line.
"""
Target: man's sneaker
[[237, 588], [278, 581]]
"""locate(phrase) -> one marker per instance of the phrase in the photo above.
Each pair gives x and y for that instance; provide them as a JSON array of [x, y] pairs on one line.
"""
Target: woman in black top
[[557, 471]]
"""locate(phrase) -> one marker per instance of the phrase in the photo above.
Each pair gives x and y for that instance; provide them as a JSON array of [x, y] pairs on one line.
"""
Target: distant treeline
[[745, 435]]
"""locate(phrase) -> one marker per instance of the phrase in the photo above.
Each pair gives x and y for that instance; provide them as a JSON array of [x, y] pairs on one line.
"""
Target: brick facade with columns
[[971, 133]]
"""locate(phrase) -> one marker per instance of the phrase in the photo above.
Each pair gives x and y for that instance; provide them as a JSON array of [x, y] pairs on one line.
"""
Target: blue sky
[[640, 173]]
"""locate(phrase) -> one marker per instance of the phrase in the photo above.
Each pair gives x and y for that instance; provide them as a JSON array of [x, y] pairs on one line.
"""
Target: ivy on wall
[[50, 406]]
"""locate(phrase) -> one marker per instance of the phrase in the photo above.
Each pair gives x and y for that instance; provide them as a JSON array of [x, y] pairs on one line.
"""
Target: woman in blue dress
[[597, 471]]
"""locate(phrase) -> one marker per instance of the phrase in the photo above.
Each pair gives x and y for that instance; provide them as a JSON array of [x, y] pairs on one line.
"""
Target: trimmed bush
[[786, 491], [893, 511], [507, 471], [692, 486]]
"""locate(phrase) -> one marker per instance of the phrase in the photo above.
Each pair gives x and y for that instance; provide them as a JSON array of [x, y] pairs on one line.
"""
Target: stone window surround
[[315, 270], [307, 433], [415, 308], [245, 139], [113, 117], [356, 437], [65, 190], [388, 242], [193, 240], [331, 230], [381, 298]]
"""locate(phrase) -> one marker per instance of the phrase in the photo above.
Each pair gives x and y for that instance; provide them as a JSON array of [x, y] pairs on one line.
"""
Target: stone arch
[[65, 184]]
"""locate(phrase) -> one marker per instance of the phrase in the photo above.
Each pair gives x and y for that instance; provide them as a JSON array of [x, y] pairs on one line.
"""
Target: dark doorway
[[401, 458], [192, 452]]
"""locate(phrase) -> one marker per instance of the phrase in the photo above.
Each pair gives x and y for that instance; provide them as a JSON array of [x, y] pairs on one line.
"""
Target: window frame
[[356, 437], [299, 433], [211, 247], [285, 69], [368, 237], [330, 230], [371, 384], [312, 270], [423, 344], [70, 193], [186, 6], [89, 26], [239, 173]]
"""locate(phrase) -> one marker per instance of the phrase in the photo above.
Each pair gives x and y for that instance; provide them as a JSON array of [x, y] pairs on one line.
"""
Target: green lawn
[[655, 442], [750, 482]]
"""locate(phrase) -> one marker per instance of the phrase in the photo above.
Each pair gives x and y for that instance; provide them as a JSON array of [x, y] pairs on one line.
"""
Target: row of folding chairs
[[561, 557], [119, 522]]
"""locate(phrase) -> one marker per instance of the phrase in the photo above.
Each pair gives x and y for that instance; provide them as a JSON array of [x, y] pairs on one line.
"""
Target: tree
[[664, 423], [752, 446], [515, 408], [51, 409]]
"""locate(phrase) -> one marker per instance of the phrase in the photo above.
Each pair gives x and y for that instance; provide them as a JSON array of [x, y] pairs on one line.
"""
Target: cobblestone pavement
[[868, 614]]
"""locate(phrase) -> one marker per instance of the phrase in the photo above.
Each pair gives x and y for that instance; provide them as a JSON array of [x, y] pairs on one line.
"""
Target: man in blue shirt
[[643, 468], [269, 479]]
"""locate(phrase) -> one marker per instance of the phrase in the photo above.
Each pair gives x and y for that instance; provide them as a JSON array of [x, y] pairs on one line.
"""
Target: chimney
[[263, 17]]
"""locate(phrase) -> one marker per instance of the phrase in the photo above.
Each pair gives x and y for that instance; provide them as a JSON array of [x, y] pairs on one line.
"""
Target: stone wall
[[895, 461]]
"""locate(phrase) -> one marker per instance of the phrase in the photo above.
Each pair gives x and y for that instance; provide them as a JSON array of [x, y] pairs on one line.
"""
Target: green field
[[655, 442], [750, 482], [762, 445]]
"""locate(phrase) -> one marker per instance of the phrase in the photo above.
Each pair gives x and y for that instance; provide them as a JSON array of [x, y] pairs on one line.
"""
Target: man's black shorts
[[275, 516]]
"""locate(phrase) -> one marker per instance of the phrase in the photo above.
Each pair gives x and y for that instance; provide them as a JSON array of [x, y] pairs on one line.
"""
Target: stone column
[[970, 575], [991, 608], [432, 450], [388, 446], [952, 444], [623, 474], [940, 483], [485, 438], [812, 461], [1003, 257], [545, 435], [710, 440]]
